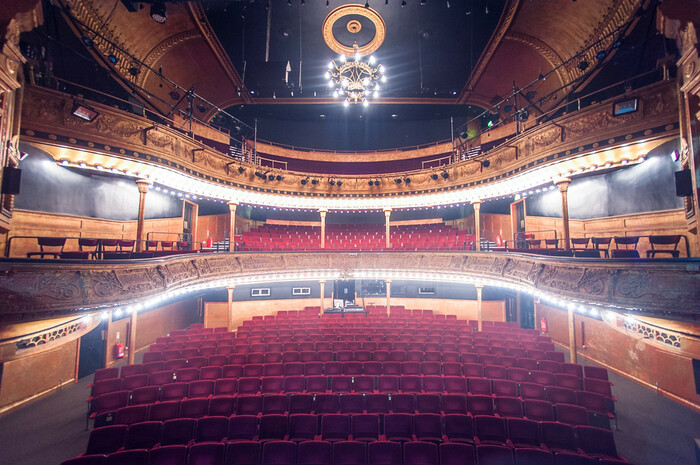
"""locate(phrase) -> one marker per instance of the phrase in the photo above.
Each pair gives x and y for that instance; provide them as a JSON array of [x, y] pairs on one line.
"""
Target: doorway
[[517, 218], [92, 351], [344, 290]]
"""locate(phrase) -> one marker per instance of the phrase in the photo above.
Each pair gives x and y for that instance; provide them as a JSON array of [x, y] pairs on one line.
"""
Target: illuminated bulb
[[82, 164], [346, 103], [376, 93], [608, 165], [357, 57], [365, 82], [328, 75], [371, 60], [383, 78], [105, 315], [330, 65], [365, 103], [624, 162], [343, 58], [64, 162], [642, 159]]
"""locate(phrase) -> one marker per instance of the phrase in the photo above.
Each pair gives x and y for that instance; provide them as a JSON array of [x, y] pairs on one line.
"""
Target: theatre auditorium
[[369, 232]]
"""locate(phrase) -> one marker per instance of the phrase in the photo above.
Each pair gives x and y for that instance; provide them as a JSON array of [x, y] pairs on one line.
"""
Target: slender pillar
[[142, 184], [322, 283], [518, 308], [229, 316], [108, 324], [388, 296], [323, 228], [563, 185], [572, 335], [477, 224], [479, 307], [232, 227], [132, 337], [387, 214]]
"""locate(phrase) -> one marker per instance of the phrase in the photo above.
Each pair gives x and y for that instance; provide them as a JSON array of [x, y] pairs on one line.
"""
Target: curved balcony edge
[[38, 289]]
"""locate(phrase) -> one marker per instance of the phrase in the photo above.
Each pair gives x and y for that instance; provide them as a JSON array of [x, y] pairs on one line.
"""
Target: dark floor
[[653, 430]]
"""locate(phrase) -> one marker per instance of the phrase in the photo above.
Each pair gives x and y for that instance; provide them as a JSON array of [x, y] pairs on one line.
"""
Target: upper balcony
[[589, 140]]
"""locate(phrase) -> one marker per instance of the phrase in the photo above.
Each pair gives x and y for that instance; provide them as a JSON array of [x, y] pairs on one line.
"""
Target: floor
[[652, 429]]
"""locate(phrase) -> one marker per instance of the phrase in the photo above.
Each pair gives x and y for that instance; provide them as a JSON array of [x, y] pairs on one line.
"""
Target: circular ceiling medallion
[[347, 16], [354, 26]]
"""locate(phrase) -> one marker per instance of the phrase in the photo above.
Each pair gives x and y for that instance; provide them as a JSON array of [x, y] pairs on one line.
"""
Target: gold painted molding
[[359, 10], [31, 290], [571, 142]]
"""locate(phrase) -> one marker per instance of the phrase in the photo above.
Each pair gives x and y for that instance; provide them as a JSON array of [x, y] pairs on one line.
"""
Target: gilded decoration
[[36, 290], [357, 10]]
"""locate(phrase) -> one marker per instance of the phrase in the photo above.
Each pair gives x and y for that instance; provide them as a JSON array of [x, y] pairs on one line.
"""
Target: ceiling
[[428, 51], [465, 55]]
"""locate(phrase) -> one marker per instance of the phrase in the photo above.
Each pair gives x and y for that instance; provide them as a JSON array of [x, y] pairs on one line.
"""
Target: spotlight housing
[[314, 181], [340, 183], [304, 181], [407, 180], [434, 176], [398, 180], [158, 12], [241, 169], [279, 177], [331, 182], [271, 177], [445, 175]]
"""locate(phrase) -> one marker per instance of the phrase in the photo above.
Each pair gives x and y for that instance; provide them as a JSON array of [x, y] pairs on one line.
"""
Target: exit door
[[92, 351]]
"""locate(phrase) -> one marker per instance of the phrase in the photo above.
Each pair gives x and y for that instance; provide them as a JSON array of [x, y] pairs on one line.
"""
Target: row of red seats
[[511, 434], [199, 398], [240, 354]]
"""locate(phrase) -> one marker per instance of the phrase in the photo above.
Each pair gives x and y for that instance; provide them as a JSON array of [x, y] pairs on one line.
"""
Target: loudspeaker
[[11, 178], [684, 183], [696, 373]]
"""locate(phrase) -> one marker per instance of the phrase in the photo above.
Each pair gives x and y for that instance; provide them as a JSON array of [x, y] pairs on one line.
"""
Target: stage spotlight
[[601, 55], [583, 65], [241, 169], [370, 183], [314, 181], [271, 177], [445, 175], [407, 180], [112, 58], [398, 180], [434, 176], [484, 164], [331, 182], [304, 181], [340, 183], [158, 12]]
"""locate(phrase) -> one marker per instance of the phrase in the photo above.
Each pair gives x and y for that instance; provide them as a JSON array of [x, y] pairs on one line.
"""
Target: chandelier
[[355, 79]]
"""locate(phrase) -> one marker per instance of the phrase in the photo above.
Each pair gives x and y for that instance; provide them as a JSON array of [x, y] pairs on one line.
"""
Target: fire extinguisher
[[543, 325], [119, 350], [209, 240]]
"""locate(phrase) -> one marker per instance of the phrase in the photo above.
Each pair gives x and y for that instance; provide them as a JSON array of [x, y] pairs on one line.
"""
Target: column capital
[[476, 204], [231, 287], [323, 212], [388, 281], [479, 286], [387, 211], [143, 184], [322, 281], [563, 184], [232, 205]]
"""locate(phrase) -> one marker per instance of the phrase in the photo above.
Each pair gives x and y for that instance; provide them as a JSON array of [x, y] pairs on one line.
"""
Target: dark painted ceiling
[[429, 49]]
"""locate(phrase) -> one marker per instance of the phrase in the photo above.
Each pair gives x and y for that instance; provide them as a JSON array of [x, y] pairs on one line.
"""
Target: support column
[[572, 335], [322, 282], [477, 223], [323, 228], [387, 214], [518, 308], [388, 296], [142, 184], [479, 307], [232, 227], [563, 185], [132, 337], [229, 316]]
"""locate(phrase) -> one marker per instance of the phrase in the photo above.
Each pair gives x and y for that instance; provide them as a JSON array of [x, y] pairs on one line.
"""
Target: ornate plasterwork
[[41, 290], [161, 49], [357, 10]]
